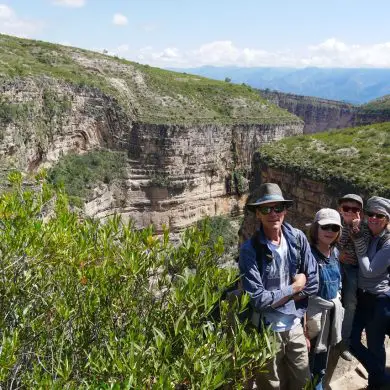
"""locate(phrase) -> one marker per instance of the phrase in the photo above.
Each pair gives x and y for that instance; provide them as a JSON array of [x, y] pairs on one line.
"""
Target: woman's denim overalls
[[329, 276]]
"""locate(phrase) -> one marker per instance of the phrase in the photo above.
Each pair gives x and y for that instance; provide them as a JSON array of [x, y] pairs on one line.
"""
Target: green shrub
[[90, 305], [79, 174], [220, 227]]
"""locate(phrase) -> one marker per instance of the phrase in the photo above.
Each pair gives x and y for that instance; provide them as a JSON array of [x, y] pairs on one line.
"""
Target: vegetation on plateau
[[380, 105], [358, 156], [150, 94], [105, 306]]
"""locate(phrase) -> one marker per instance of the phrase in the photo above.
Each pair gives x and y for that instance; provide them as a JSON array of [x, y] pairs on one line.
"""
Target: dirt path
[[356, 377]]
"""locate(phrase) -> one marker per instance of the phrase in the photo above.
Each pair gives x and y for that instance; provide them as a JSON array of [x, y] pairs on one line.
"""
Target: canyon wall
[[323, 114], [179, 174], [175, 174]]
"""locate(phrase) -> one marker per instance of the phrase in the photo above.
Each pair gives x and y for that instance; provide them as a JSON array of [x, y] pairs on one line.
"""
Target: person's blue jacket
[[254, 284]]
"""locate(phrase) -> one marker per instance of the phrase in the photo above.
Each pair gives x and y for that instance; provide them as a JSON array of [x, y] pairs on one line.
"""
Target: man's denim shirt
[[255, 286]]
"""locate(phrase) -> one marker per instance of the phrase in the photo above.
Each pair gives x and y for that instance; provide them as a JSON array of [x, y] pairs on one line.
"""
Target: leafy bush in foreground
[[90, 305]]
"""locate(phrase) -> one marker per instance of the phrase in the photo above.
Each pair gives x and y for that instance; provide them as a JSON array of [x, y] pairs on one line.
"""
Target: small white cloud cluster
[[330, 53], [120, 20], [11, 23]]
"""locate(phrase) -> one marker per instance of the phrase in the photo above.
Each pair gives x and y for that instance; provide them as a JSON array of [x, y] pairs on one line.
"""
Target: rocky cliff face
[[179, 174], [47, 118], [175, 173], [323, 114]]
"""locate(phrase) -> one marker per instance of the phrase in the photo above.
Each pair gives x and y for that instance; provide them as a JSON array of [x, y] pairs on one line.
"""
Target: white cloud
[[6, 12], [336, 53], [70, 3], [11, 23], [119, 20], [330, 53]]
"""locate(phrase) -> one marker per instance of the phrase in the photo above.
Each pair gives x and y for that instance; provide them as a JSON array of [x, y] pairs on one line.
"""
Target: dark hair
[[313, 235]]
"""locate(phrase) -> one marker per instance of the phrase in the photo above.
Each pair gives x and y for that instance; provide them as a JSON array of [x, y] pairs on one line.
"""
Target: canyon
[[188, 142]]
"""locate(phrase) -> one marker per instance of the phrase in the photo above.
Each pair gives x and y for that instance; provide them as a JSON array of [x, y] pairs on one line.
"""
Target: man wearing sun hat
[[351, 211], [279, 277]]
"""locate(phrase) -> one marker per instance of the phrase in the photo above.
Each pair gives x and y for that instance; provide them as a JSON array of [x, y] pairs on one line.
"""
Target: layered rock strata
[[179, 174], [175, 174], [323, 114]]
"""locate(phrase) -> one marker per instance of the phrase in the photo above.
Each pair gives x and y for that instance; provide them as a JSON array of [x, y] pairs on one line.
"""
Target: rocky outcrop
[[323, 114], [46, 118], [180, 174], [175, 174]]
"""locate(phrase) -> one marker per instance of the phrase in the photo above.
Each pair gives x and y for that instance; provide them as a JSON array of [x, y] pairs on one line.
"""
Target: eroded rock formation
[[323, 114], [175, 173]]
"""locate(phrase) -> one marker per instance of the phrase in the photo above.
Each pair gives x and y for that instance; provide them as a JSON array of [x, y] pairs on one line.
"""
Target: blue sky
[[189, 33]]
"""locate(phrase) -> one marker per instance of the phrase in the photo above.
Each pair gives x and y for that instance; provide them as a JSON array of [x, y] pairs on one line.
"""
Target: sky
[[193, 33]]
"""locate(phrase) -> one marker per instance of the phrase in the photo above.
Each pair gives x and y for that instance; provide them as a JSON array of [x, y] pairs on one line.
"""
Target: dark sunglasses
[[377, 216], [265, 210], [347, 209], [328, 228]]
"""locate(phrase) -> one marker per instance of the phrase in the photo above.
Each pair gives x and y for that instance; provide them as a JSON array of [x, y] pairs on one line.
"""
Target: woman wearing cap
[[373, 307], [325, 313]]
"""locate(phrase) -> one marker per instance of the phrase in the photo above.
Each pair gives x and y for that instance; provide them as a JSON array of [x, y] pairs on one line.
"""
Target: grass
[[150, 94], [358, 156]]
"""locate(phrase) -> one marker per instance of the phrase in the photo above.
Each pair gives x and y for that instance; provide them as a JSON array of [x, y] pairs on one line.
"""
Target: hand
[[299, 282], [356, 225], [346, 258]]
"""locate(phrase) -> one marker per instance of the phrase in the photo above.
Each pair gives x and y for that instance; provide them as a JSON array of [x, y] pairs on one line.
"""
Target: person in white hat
[[325, 312], [279, 272]]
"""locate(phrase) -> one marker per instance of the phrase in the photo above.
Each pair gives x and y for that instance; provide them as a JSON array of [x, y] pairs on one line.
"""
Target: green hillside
[[152, 95], [358, 156], [381, 104]]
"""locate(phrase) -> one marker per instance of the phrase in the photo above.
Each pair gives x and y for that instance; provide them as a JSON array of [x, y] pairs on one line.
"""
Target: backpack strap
[[298, 249], [259, 249]]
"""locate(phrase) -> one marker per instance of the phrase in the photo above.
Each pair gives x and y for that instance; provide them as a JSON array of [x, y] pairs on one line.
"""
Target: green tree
[[92, 305]]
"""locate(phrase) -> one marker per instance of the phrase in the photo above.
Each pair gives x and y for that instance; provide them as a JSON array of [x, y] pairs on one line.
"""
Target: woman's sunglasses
[[265, 210], [328, 228], [376, 215], [354, 210]]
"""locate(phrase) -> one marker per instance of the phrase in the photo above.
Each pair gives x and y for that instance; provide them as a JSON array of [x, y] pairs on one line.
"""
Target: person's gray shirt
[[373, 272]]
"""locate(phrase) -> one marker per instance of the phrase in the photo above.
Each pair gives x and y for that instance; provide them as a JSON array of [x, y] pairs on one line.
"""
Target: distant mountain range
[[354, 85]]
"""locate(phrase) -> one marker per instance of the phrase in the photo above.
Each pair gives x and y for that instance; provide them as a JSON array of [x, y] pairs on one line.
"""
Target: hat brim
[[329, 222], [256, 204]]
